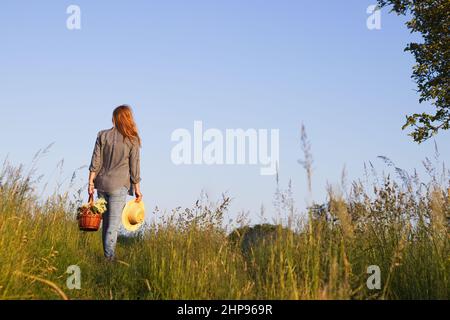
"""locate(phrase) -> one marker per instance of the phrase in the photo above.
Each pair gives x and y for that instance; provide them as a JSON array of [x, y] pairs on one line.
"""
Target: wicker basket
[[89, 221]]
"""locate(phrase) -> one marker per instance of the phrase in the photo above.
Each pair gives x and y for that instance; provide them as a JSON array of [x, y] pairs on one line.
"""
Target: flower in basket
[[93, 208]]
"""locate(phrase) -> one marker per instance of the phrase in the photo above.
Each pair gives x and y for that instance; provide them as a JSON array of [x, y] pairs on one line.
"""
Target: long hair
[[124, 122]]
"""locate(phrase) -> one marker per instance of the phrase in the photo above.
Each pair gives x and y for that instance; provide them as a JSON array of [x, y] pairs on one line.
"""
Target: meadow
[[399, 224]]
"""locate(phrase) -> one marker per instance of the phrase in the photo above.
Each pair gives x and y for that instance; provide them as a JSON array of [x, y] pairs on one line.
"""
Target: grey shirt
[[116, 162]]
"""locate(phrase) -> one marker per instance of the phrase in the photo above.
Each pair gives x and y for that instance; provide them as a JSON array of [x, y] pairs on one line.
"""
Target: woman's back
[[115, 160]]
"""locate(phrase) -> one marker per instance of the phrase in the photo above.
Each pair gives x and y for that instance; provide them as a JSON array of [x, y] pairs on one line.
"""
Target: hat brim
[[130, 207]]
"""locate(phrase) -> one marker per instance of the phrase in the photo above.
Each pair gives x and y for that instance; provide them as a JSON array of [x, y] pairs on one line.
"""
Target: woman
[[115, 172]]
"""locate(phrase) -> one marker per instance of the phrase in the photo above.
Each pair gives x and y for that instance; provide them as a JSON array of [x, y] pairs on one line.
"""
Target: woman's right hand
[[139, 196], [138, 193]]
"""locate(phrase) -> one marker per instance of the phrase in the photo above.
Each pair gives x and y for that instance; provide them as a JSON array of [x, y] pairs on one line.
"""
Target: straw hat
[[133, 215]]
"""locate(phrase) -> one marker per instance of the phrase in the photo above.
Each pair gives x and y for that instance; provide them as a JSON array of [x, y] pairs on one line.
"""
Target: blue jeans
[[112, 219]]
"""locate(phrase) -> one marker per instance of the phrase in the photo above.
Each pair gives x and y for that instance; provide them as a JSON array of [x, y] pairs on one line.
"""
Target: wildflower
[[98, 207]]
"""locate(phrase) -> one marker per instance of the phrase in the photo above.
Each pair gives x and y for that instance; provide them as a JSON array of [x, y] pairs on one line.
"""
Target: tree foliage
[[430, 18]]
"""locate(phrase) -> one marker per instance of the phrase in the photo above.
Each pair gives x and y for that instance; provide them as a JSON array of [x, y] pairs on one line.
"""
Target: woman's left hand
[[91, 189]]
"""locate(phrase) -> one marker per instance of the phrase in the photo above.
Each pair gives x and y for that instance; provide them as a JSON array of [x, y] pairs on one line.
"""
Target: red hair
[[124, 122]]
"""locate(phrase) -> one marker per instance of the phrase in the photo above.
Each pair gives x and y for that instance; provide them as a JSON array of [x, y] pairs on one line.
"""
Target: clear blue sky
[[231, 64]]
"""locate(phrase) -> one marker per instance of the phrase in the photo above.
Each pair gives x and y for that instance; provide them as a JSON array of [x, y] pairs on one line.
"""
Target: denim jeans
[[112, 219]]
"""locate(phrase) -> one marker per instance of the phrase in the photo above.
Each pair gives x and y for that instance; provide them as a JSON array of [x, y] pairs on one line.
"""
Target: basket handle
[[91, 199]]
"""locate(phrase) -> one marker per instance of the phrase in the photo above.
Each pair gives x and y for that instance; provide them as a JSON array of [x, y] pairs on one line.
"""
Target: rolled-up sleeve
[[135, 164], [96, 161]]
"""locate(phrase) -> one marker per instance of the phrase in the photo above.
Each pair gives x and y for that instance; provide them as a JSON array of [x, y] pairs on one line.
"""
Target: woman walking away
[[115, 172]]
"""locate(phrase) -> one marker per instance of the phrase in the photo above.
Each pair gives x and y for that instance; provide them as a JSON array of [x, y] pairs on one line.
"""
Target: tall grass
[[189, 254]]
